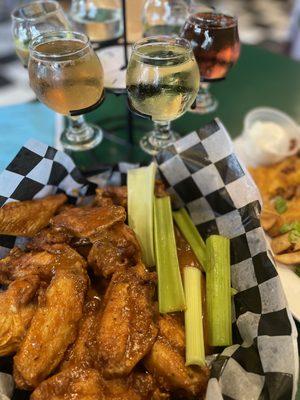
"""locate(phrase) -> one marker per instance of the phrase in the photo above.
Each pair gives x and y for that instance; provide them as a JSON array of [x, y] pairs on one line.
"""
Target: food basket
[[203, 174]]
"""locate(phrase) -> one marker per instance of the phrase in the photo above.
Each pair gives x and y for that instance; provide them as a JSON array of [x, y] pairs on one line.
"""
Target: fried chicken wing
[[87, 221], [114, 248], [53, 328], [167, 364], [79, 383], [83, 352], [112, 195], [17, 309], [26, 218], [19, 264], [127, 330], [71, 384], [46, 237]]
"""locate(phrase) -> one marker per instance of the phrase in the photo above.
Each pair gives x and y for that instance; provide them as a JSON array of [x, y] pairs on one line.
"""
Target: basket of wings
[[59, 339]]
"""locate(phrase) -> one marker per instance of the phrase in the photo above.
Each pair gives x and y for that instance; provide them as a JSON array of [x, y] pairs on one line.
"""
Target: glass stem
[[162, 132], [79, 131]]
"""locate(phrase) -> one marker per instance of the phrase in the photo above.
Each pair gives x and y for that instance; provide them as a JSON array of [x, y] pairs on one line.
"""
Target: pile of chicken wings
[[78, 308]]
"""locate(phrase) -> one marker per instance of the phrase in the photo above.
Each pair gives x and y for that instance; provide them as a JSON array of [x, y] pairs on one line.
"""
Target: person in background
[[293, 45]]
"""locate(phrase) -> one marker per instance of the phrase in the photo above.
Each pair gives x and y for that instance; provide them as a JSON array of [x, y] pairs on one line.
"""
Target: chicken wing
[[112, 195], [17, 309], [71, 384], [127, 330], [167, 364], [46, 237], [87, 221], [53, 328], [26, 218], [114, 248], [83, 353], [79, 383], [19, 264]]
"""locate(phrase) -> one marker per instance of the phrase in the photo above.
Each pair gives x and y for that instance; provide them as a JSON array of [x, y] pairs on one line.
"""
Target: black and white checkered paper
[[203, 174]]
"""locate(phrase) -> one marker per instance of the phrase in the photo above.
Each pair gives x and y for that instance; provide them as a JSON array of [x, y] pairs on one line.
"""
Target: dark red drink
[[215, 41]]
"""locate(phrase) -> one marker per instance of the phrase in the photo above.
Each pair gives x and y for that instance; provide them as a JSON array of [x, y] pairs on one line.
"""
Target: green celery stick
[[194, 339], [170, 289], [140, 186], [218, 291]]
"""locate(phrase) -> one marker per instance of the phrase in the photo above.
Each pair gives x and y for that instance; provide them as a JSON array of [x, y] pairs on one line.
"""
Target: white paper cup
[[265, 155]]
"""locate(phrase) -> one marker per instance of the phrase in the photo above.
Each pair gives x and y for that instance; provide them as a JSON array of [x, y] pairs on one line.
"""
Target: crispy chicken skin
[[167, 364], [26, 218], [19, 264], [53, 328], [46, 237], [79, 383], [127, 330], [112, 195], [17, 308], [87, 221], [71, 384], [83, 352], [113, 249]]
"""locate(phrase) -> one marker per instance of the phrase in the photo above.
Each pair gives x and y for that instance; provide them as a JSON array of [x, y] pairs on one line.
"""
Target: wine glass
[[164, 17], [162, 83], [215, 40], [100, 20], [66, 75], [32, 19]]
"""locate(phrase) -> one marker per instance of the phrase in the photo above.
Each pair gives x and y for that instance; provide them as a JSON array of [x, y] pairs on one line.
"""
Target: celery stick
[[194, 339], [140, 186], [218, 291], [192, 236], [170, 289]]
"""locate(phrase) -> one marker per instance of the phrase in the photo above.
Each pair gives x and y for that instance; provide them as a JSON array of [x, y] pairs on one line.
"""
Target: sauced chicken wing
[[126, 331], [118, 194], [46, 237], [87, 221], [114, 248], [26, 218], [71, 384], [167, 364], [16, 311], [19, 264], [83, 352], [112, 195], [53, 328], [79, 383]]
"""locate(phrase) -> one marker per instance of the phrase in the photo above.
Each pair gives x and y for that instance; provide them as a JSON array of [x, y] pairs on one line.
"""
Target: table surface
[[260, 78]]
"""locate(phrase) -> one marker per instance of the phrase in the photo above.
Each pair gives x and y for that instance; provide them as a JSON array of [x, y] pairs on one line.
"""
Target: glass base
[[151, 145], [93, 135], [205, 101]]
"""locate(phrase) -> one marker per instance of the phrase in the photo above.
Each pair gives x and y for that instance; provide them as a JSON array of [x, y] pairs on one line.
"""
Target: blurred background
[[272, 24]]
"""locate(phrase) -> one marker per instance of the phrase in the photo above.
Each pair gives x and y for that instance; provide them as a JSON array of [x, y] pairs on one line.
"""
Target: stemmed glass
[[67, 76], [215, 40], [164, 17], [32, 19], [162, 83], [100, 20]]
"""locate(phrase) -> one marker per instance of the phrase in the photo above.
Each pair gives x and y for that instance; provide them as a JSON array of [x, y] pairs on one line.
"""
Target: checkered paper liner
[[203, 174]]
